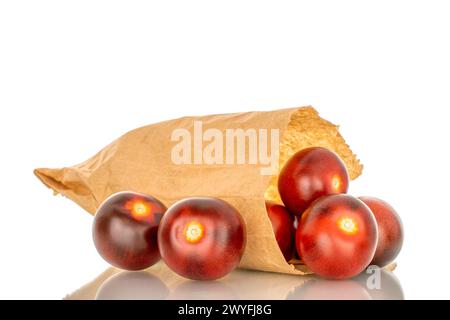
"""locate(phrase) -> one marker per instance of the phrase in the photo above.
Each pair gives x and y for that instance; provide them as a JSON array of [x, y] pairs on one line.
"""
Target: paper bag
[[151, 160]]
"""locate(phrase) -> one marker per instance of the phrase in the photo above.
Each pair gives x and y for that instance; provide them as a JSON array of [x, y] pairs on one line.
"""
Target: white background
[[74, 75]]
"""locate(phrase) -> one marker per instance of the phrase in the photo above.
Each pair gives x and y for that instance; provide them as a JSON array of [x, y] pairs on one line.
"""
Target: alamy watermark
[[373, 281], [227, 147]]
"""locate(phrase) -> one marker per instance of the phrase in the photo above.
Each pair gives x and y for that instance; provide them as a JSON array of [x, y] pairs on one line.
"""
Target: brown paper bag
[[143, 160]]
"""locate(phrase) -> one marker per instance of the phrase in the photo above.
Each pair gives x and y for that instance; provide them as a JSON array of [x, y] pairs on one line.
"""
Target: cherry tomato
[[125, 230], [202, 238], [337, 236], [310, 174], [283, 228], [390, 231]]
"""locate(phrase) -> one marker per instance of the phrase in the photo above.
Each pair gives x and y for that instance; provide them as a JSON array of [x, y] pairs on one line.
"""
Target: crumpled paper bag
[[142, 161]]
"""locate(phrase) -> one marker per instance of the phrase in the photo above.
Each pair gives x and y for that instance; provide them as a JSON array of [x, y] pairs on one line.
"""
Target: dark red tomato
[[202, 238], [310, 174], [337, 237], [125, 230], [283, 228], [390, 231]]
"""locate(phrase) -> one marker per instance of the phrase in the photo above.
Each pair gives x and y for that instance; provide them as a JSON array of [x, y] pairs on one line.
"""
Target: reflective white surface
[[75, 75], [160, 283]]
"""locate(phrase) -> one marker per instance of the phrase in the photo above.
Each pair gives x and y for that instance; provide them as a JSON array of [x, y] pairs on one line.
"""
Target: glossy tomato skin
[[310, 174], [337, 237], [390, 231], [125, 230], [202, 238], [283, 228]]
